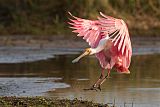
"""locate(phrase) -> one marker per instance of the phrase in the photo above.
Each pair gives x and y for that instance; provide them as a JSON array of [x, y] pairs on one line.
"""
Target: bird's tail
[[121, 69]]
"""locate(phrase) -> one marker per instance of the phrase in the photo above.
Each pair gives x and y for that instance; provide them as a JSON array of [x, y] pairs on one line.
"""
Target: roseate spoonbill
[[109, 40]]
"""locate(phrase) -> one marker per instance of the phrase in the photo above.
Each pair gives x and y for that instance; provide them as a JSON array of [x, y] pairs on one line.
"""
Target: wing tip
[[101, 14], [70, 13], [73, 15]]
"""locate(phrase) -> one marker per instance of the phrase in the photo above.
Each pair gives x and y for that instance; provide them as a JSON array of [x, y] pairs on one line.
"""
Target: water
[[58, 77]]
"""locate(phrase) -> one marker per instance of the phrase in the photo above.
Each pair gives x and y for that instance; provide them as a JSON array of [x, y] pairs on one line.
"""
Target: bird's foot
[[108, 77], [99, 87], [93, 88]]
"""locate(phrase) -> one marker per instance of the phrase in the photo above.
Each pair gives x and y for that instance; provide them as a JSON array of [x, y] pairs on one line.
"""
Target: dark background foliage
[[49, 17]]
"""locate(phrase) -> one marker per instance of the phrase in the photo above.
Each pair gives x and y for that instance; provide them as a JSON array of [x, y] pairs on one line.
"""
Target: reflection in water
[[28, 86], [142, 86]]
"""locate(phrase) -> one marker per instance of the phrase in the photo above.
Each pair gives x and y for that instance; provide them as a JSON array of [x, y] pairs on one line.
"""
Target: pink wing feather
[[90, 30], [93, 31], [117, 29]]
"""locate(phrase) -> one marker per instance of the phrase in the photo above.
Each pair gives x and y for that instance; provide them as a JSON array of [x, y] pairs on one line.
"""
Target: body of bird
[[109, 40]]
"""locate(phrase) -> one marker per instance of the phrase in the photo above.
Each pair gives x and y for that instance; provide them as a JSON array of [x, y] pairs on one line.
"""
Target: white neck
[[96, 50], [101, 45]]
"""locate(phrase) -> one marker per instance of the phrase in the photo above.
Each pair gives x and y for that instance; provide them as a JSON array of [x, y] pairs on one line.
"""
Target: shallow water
[[58, 77]]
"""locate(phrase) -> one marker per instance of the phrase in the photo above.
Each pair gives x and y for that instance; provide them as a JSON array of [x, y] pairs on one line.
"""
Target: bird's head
[[87, 51]]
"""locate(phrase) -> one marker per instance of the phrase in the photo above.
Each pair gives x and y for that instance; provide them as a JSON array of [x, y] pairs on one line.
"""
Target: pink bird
[[110, 42]]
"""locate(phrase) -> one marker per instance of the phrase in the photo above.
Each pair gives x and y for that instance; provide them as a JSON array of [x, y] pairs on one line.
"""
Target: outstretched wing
[[93, 31], [117, 29], [88, 29]]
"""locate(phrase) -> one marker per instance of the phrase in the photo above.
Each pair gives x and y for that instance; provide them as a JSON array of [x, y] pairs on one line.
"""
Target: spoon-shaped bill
[[81, 56]]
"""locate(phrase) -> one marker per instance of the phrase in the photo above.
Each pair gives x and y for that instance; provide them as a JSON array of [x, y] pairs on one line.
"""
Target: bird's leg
[[96, 85], [108, 74], [104, 79], [100, 78]]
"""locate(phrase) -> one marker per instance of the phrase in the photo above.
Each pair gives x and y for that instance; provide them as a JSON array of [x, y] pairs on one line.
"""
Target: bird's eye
[[87, 50]]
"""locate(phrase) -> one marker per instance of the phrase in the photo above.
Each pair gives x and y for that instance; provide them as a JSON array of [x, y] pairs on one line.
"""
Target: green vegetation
[[45, 102], [49, 17]]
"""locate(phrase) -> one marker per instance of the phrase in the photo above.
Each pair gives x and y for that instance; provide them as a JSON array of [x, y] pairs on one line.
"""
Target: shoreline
[[19, 49], [49, 102], [61, 40]]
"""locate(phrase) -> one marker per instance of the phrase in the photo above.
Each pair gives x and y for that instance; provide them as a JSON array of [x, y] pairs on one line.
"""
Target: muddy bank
[[18, 49], [57, 41], [46, 102]]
